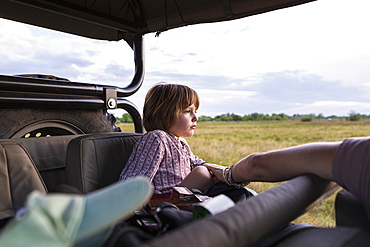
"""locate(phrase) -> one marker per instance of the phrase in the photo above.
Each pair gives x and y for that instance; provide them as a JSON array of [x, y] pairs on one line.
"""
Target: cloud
[[328, 108], [26, 49], [287, 92], [197, 81], [64, 65], [118, 71], [297, 86]]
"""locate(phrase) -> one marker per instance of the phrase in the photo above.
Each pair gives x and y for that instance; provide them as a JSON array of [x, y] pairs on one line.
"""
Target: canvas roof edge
[[72, 17]]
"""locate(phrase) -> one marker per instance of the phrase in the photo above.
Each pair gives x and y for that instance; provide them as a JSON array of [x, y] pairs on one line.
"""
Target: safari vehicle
[[79, 145]]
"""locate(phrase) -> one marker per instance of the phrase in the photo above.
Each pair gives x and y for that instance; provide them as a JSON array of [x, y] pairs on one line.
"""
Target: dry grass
[[225, 143]]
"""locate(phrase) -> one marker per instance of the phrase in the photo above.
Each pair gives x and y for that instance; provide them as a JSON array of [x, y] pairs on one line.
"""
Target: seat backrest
[[18, 177], [49, 156], [96, 160]]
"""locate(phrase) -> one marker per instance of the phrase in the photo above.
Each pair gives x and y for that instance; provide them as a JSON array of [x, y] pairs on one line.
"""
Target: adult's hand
[[217, 170]]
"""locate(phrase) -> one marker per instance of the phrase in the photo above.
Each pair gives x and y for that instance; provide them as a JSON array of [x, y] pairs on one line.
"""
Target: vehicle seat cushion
[[18, 178], [96, 160]]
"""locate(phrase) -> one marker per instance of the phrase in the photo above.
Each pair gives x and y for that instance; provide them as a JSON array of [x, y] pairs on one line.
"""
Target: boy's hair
[[164, 102]]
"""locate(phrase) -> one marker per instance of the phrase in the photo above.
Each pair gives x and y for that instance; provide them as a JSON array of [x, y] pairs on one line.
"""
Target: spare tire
[[24, 123]]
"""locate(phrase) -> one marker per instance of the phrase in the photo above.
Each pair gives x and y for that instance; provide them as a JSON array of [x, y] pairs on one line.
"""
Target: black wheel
[[25, 123]]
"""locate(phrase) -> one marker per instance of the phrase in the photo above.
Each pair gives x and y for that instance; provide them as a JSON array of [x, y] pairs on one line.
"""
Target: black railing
[[21, 92]]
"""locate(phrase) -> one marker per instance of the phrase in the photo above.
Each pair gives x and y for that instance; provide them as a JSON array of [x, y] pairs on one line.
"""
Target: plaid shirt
[[162, 157]]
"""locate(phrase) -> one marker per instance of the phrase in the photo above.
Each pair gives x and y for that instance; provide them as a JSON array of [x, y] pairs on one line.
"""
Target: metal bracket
[[110, 98]]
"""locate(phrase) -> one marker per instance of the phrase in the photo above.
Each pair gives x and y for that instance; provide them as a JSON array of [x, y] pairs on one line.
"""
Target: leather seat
[[96, 160], [49, 156], [18, 178]]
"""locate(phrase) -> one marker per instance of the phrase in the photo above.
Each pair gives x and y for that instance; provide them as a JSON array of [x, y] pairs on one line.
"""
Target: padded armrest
[[96, 160], [251, 220]]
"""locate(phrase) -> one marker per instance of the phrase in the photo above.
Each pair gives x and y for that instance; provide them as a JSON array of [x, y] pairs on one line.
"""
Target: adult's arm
[[287, 163], [283, 164]]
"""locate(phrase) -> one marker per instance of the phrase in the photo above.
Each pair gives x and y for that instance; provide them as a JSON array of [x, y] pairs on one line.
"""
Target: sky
[[308, 59]]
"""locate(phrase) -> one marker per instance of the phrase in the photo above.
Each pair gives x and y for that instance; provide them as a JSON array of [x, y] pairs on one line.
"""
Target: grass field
[[225, 143]]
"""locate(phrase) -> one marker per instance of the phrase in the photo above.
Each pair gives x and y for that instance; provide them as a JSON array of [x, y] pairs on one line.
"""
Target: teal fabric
[[63, 220], [51, 222]]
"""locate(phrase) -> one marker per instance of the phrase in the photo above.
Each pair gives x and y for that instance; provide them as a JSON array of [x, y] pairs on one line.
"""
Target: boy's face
[[185, 123]]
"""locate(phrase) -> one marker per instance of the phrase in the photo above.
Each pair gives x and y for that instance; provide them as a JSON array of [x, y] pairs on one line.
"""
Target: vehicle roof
[[120, 19]]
